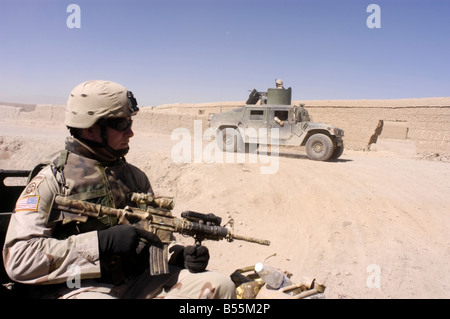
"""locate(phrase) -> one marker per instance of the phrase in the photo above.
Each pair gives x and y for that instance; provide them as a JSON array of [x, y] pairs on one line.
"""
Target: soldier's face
[[118, 135], [119, 139]]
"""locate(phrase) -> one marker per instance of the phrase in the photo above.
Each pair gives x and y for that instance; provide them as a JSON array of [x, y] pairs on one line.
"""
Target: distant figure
[[279, 84]]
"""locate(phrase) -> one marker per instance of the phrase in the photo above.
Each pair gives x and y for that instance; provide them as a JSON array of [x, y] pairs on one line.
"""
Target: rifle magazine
[[159, 260]]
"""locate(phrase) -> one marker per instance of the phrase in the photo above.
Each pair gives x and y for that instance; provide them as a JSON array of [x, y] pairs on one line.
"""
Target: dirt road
[[370, 225]]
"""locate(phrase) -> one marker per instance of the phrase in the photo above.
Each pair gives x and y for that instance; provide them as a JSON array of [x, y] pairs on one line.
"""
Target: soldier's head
[[279, 83], [99, 113]]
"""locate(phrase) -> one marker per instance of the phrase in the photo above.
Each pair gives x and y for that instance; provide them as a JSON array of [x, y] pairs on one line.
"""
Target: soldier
[[97, 258], [279, 84]]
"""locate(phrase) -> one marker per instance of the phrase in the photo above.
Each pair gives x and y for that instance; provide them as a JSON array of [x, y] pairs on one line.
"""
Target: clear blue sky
[[195, 51]]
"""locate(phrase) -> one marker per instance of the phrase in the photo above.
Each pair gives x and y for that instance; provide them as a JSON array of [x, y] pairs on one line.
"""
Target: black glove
[[123, 240], [196, 258]]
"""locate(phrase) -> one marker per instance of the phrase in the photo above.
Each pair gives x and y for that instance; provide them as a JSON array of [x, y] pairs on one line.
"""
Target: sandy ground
[[369, 225]]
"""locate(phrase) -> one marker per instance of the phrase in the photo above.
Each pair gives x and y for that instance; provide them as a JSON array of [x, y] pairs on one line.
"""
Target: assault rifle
[[156, 217]]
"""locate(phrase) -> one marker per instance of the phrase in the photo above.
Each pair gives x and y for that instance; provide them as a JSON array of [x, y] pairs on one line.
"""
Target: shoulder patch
[[31, 187], [30, 203]]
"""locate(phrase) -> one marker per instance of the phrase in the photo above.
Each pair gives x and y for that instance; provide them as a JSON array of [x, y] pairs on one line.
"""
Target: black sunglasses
[[119, 124]]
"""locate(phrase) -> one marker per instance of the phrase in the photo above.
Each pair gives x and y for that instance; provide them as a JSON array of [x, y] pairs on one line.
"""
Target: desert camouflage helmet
[[279, 81], [94, 100]]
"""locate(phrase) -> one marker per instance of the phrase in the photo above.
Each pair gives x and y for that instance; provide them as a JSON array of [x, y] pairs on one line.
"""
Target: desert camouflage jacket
[[41, 247]]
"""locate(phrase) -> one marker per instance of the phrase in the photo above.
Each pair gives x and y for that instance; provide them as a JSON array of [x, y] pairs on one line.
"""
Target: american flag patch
[[27, 203]]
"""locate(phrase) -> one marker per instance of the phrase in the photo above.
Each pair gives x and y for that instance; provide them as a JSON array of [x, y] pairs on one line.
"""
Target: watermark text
[[374, 19], [226, 146], [74, 19], [374, 279]]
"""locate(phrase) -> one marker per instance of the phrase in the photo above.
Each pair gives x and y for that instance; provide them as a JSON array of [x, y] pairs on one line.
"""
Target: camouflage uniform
[[52, 251]]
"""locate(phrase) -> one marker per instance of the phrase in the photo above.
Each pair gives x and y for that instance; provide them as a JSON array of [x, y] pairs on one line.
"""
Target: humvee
[[275, 121]]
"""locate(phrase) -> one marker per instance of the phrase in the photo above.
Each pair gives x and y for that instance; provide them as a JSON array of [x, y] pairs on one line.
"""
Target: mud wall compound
[[428, 127], [424, 123]]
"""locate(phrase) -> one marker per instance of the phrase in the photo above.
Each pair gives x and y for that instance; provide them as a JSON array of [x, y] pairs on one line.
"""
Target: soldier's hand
[[123, 240], [149, 237], [196, 258]]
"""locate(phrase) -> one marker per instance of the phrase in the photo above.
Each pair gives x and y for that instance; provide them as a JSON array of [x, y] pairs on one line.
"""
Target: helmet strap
[[75, 133], [104, 144]]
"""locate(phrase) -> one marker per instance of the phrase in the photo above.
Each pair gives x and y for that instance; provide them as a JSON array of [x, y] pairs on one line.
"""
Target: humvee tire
[[230, 140], [319, 147], [338, 150]]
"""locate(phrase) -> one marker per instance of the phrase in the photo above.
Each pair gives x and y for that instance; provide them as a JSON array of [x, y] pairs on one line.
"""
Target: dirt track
[[370, 225]]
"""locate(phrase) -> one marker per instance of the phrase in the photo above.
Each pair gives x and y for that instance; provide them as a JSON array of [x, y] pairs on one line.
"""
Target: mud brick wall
[[165, 123], [427, 126]]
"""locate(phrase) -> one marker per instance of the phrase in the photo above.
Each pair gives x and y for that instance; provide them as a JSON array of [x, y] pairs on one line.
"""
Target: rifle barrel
[[251, 239]]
